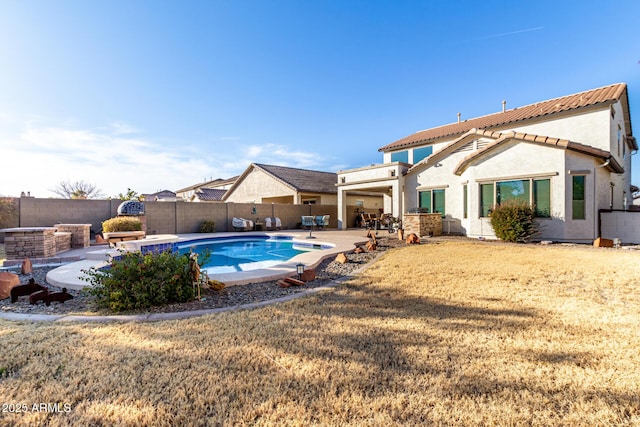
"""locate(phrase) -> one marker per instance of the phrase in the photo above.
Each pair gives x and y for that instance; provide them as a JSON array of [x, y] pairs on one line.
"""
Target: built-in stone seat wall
[[80, 234], [63, 241], [423, 224], [44, 242]]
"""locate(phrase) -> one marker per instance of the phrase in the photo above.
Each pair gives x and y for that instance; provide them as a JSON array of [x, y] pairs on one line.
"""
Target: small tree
[[77, 190], [513, 221], [129, 195]]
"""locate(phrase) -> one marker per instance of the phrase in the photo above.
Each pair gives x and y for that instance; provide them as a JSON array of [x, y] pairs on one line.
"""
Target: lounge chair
[[322, 221], [241, 224], [308, 221], [272, 223]]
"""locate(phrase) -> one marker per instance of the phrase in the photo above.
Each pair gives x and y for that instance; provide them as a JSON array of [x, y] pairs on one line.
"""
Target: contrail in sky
[[492, 36]]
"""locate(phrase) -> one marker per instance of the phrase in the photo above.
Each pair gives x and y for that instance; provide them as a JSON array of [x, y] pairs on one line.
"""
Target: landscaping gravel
[[328, 271]]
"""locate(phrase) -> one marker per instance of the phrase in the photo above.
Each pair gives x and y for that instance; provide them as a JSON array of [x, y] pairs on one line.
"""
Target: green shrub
[[137, 281], [122, 223], [208, 227], [512, 221]]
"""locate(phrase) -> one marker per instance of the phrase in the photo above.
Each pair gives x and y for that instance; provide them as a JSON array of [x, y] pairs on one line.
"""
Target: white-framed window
[[465, 200], [432, 201], [534, 191], [578, 210]]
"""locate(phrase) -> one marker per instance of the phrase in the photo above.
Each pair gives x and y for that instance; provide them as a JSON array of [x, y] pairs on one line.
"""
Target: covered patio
[[386, 179]]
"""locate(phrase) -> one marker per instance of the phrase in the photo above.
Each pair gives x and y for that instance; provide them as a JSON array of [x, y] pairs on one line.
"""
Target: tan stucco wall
[[258, 185]]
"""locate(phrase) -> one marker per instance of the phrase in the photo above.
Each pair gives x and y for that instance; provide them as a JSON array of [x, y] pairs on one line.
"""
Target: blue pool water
[[251, 253]]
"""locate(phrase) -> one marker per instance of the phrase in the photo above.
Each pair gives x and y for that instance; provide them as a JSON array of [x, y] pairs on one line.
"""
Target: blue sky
[[154, 95]]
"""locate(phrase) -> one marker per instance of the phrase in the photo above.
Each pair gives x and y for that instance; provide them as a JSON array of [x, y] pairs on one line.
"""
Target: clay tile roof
[[603, 95], [542, 140]]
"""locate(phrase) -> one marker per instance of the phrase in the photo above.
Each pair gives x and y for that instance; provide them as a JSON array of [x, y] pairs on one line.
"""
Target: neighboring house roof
[[299, 180], [208, 184], [159, 195], [601, 96], [303, 179], [210, 194]]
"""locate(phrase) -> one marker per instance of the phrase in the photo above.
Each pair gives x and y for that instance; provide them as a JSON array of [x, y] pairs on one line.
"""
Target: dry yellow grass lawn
[[453, 333]]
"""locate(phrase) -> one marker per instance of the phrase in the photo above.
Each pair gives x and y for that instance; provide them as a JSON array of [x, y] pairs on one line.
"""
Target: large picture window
[[421, 153], [536, 192], [400, 156], [432, 201], [519, 191], [578, 208]]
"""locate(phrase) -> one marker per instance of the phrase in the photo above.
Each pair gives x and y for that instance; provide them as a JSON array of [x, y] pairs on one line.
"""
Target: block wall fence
[[161, 217]]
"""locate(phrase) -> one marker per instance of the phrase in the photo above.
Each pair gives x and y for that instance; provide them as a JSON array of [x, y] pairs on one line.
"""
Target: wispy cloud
[[121, 128], [114, 158], [509, 33]]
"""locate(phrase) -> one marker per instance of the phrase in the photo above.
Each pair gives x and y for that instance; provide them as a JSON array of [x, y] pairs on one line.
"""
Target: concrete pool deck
[[70, 275]]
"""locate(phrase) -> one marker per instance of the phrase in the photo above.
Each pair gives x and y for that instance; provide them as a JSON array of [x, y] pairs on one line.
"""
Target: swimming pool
[[230, 255]]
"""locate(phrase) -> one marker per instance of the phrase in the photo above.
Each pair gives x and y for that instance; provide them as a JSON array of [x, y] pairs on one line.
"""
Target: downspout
[[596, 224]]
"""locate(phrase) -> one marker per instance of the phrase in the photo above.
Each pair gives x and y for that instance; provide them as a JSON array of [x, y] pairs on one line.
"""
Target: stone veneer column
[[423, 224]]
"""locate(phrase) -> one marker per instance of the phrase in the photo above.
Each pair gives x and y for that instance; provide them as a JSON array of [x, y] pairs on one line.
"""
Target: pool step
[[102, 254]]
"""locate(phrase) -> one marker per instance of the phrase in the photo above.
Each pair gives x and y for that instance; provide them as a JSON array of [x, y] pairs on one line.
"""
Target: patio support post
[[342, 209], [396, 199]]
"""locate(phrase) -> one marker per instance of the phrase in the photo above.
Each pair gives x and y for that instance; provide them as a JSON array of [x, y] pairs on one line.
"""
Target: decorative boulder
[[308, 275], [27, 268], [603, 243], [413, 239], [100, 240], [216, 285], [293, 282], [7, 282], [283, 284], [342, 258]]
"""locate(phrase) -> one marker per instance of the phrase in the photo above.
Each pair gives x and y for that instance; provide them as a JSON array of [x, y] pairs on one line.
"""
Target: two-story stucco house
[[569, 157]]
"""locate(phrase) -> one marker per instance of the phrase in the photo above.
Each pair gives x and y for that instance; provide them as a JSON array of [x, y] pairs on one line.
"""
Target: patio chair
[[272, 223], [370, 220], [308, 221], [322, 221], [241, 224]]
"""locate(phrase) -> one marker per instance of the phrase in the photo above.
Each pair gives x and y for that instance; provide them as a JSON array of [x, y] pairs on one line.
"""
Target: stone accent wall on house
[[422, 224]]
